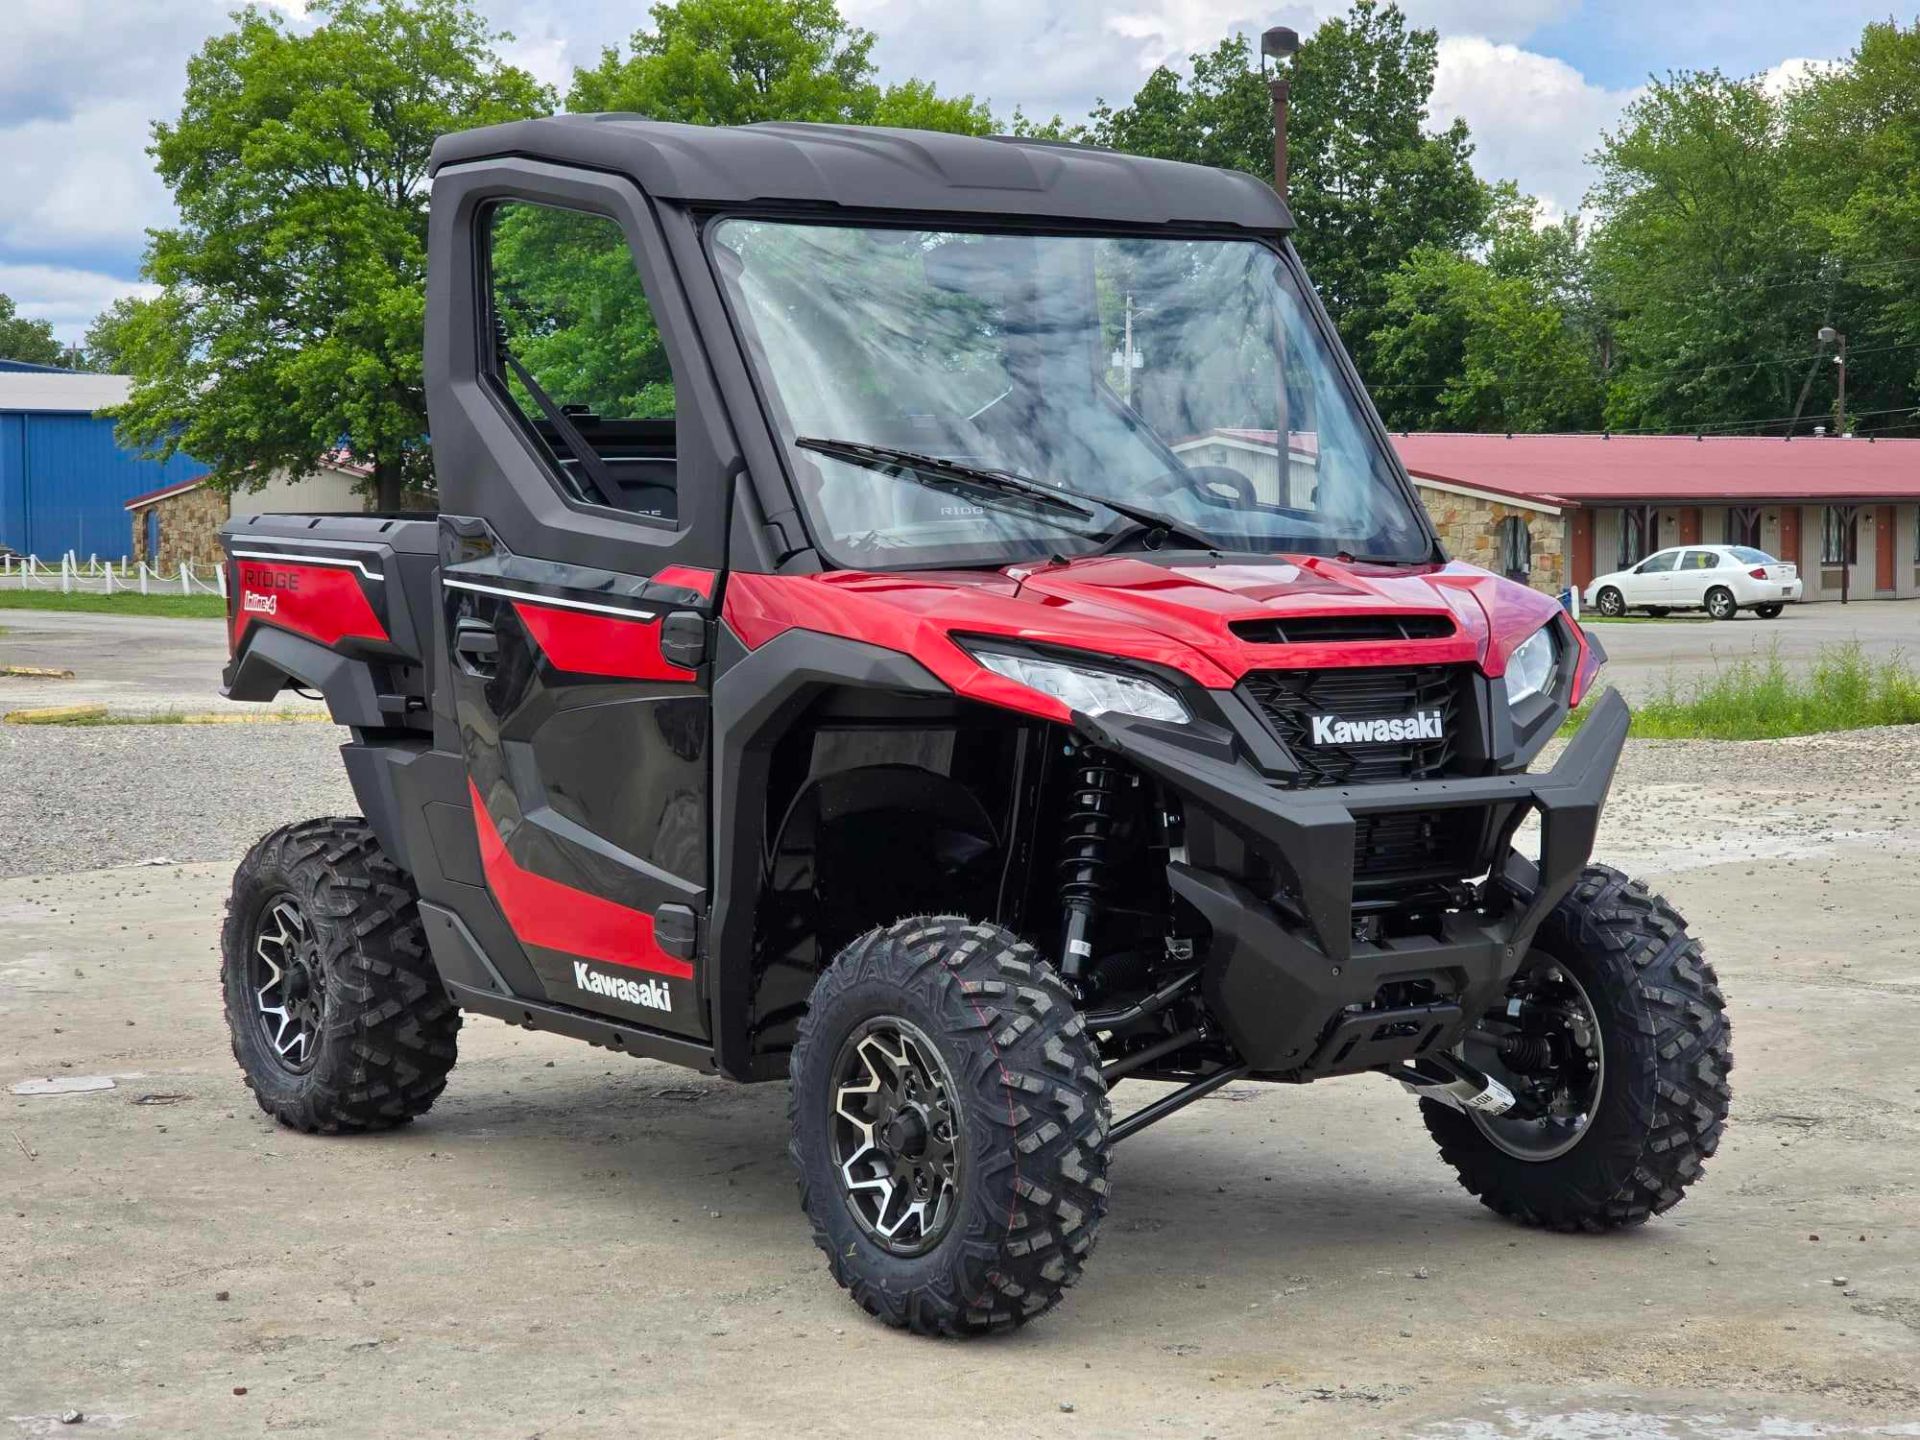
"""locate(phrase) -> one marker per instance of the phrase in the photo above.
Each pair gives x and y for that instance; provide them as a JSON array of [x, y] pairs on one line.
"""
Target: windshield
[[1185, 378]]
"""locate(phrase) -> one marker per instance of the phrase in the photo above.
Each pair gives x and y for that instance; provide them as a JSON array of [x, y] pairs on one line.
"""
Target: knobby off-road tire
[[323, 898], [1666, 1056], [1030, 1112]]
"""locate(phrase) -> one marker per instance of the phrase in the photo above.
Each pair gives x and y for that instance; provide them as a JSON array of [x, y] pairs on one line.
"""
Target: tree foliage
[[293, 284], [1369, 182], [735, 62], [24, 339], [105, 349]]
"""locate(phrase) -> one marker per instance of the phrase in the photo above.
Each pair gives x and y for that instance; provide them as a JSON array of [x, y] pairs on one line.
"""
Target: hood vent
[[1339, 629]]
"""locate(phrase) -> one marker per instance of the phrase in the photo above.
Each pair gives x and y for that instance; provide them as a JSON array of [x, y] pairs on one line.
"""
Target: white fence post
[[109, 577], [186, 578], [143, 577], [66, 573], [220, 579]]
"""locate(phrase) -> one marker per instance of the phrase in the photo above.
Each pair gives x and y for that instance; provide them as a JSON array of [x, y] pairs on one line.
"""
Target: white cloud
[[1781, 78], [80, 182], [1534, 119], [69, 297]]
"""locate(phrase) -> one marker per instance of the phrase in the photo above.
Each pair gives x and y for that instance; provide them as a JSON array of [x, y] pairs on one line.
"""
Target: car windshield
[[1746, 555], [1181, 378]]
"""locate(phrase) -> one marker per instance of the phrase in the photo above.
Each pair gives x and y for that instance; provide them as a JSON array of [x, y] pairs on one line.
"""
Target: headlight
[[1530, 668], [1087, 690]]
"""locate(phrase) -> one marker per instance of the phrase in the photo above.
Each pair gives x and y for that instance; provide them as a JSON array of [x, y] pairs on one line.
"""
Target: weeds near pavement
[[1765, 698]]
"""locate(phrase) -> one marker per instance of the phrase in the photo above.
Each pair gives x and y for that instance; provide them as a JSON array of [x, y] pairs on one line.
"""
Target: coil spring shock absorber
[[1085, 835]]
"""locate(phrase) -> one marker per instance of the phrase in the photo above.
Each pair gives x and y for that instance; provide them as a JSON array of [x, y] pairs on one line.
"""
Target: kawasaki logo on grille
[[1421, 725]]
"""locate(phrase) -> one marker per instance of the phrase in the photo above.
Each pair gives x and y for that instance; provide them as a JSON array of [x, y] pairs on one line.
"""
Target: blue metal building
[[64, 480]]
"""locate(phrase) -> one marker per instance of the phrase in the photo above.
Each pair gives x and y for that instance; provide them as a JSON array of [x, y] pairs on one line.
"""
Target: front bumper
[[1284, 986]]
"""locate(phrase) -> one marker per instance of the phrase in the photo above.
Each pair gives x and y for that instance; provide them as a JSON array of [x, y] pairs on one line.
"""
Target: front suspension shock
[[1086, 833]]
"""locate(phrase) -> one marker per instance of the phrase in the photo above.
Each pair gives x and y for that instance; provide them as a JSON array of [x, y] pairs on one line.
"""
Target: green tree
[[1506, 338], [24, 339], [105, 348], [735, 62], [1714, 284], [1853, 152], [1368, 181], [293, 301]]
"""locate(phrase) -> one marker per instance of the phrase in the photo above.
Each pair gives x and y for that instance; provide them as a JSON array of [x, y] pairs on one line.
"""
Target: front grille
[[1416, 844], [1339, 629], [1289, 699]]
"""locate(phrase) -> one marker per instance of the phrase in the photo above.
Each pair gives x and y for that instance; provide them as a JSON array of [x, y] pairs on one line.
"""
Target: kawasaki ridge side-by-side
[[938, 620]]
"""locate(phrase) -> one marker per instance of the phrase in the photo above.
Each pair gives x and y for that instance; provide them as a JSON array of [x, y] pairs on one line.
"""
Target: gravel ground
[[87, 798]]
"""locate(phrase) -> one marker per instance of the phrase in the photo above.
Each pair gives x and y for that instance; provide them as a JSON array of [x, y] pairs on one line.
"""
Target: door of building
[[1883, 549]]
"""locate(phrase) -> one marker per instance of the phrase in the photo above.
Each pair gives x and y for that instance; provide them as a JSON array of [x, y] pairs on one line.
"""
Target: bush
[[1764, 698]]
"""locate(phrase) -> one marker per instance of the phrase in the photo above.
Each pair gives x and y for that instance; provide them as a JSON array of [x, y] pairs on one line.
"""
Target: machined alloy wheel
[[1611, 603], [1614, 1039], [288, 982], [337, 1017], [894, 1136], [1721, 604], [1544, 1047]]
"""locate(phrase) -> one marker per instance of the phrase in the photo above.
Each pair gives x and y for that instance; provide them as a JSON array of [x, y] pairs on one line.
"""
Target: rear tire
[[1768, 612], [1720, 603], [1664, 1058], [1003, 1136], [337, 1016], [1610, 603]]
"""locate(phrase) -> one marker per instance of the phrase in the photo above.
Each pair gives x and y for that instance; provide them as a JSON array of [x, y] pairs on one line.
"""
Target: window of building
[[1633, 538], [1743, 526], [1839, 536], [1516, 545], [577, 351]]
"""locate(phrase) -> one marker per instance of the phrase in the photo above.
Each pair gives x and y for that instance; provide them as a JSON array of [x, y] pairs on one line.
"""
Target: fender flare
[[274, 658]]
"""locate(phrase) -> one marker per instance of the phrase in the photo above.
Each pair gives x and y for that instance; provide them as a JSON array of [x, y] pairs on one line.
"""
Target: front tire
[[1610, 603], [949, 1127], [1720, 603], [337, 1016], [1653, 1080]]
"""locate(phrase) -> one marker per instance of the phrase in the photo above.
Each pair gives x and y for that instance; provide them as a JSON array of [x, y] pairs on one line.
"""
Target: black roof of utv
[[862, 168]]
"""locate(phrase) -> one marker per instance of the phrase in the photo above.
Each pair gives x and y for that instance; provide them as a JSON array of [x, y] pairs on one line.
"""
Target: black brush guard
[[1296, 994]]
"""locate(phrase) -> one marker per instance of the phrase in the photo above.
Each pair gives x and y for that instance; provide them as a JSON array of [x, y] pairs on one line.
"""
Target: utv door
[[581, 545]]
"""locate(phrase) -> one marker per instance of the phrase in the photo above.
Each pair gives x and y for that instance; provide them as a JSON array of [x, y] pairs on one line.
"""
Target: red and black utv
[[937, 619]]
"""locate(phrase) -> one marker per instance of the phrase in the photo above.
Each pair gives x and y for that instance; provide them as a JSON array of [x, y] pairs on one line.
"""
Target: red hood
[[1176, 615]]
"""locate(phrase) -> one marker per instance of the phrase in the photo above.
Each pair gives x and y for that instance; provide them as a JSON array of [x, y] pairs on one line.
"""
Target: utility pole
[[1830, 336], [1278, 43]]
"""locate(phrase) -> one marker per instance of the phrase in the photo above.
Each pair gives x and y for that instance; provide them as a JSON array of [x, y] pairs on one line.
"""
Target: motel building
[[1560, 509]]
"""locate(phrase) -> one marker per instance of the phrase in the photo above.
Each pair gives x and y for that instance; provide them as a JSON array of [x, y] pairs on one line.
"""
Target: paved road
[[574, 1244], [1643, 653], [136, 663]]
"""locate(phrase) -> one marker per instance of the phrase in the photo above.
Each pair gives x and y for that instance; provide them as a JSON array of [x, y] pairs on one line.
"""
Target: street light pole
[[1278, 43], [1830, 336]]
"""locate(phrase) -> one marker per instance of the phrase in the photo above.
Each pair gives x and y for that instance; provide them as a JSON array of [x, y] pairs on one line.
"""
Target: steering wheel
[[1218, 485]]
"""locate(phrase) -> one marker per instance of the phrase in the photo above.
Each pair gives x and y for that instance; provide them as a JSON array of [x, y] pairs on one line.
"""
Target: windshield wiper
[[932, 468]]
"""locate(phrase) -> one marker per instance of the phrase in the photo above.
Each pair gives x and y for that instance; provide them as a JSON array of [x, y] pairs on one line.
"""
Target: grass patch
[[1764, 698], [175, 606]]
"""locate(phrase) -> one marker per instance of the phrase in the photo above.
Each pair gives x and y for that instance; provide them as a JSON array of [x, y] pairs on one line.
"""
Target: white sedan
[[1722, 580]]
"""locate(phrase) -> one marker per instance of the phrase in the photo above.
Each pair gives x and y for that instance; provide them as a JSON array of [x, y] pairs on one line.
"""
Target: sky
[[1537, 81]]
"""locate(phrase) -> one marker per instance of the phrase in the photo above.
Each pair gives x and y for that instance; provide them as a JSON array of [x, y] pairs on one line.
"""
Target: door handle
[[476, 648]]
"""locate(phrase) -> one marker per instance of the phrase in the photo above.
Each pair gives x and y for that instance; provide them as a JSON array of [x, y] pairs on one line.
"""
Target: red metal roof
[[1618, 469], [179, 487], [1600, 469]]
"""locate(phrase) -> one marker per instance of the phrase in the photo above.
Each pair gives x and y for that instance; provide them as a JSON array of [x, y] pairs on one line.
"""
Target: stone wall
[[1469, 526], [189, 528]]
